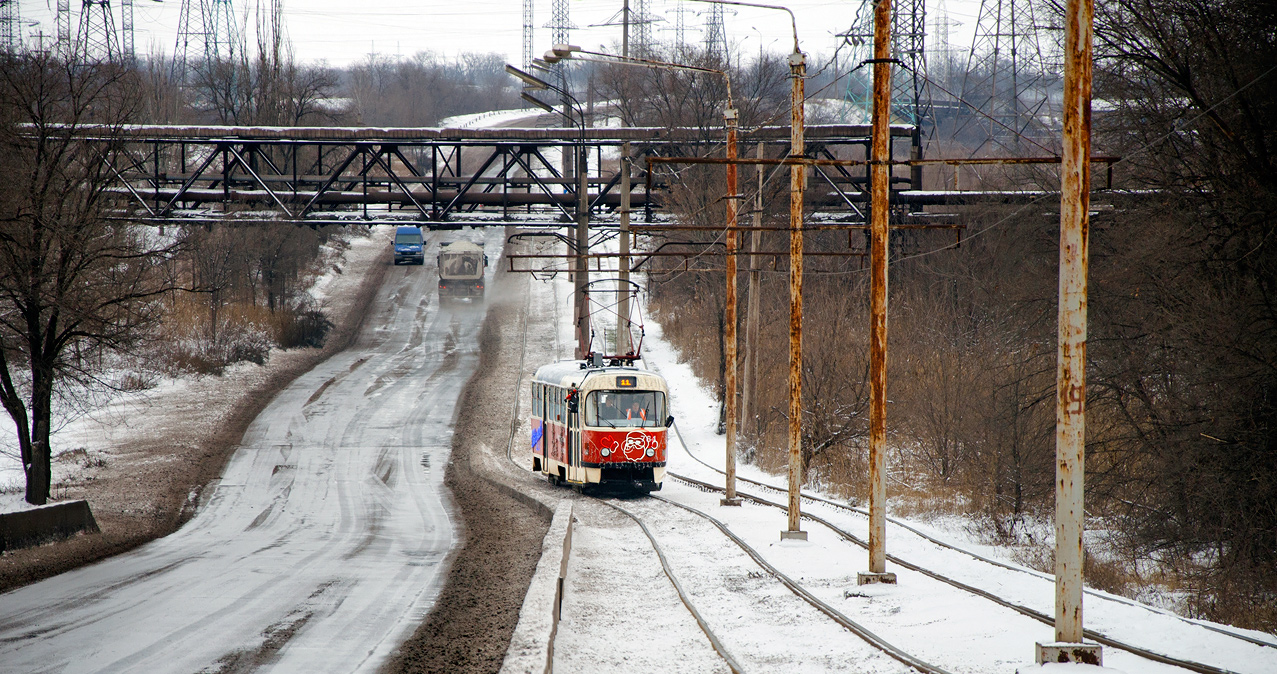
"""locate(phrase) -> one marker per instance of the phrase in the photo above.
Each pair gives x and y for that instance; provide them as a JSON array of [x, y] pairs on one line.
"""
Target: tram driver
[[637, 414]]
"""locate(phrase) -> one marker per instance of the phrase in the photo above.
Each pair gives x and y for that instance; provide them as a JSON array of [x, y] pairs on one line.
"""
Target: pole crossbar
[[809, 161]]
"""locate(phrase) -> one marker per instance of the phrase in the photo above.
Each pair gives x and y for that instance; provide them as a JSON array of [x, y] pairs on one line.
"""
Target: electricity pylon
[[97, 39], [1007, 78], [910, 95]]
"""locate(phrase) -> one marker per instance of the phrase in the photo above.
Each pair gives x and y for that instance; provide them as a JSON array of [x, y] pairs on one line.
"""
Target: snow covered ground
[[615, 586], [86, 439], [95, 436]]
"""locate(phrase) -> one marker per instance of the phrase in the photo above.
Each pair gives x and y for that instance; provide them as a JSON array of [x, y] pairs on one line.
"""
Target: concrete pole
[[879, 214], [1070, 416], [623, 345], [797, 180], [729, 338]]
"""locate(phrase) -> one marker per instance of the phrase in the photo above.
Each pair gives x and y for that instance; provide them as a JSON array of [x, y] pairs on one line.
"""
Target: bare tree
[[73, 284]]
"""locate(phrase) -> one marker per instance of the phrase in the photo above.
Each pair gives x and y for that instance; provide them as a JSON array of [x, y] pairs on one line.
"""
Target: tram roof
[[573, 373]]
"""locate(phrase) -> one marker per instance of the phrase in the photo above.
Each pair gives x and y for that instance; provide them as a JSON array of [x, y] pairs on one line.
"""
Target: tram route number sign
[[626, 381]]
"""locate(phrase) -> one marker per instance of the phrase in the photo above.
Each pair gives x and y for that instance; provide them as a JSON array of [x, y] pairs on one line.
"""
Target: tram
[[596, 424]]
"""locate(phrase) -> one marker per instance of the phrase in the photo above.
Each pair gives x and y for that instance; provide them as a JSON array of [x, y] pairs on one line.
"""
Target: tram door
[[574, 445]]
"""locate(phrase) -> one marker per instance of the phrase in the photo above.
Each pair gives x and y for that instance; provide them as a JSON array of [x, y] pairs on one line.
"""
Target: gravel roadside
[[150, 483]]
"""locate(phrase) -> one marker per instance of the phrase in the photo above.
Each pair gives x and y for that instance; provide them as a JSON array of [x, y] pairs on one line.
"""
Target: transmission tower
[[641, 22], [10, 27], [223, 31], [97, 39], [560, 33], [126, 31], [1007, 78], [910, 95], [206, 32], [64, 29], [680, 26], [528, 34], [715, 35]]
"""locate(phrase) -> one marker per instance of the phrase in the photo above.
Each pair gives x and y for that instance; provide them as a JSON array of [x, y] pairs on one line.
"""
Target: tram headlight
[[651, 452], [607, 452]]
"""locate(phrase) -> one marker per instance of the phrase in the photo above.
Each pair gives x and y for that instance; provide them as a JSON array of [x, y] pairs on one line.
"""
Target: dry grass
[[245, 332]]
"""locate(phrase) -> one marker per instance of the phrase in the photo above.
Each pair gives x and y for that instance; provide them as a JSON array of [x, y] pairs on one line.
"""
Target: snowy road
[[319, 550]]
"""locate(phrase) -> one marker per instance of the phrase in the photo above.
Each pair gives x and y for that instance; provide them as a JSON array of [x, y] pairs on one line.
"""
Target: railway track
[[812, 498], [1093, 635], [838, 617], [801, 592], [715, 642]]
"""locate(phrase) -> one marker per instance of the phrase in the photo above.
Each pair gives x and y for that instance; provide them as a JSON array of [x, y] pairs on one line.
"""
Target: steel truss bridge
[[439, 178]]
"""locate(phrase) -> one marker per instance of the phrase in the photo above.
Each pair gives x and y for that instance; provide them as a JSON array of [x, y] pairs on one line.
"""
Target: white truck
[[461, 268]]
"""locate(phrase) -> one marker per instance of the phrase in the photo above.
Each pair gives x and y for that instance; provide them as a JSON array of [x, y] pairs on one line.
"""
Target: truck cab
[[461, 269], [409, 245]]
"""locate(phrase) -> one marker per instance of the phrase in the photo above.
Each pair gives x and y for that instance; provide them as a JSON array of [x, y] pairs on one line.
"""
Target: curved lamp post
[[580, 302]]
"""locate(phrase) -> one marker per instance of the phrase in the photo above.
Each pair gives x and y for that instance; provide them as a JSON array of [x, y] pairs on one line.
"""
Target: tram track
[[1009, 567], [1097, 637], [797, 589], [793, 586], [713, 639], [806, 595]]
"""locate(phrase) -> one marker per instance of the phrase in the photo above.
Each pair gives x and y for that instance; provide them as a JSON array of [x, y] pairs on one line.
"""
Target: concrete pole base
[[1087, 654], [868, 578], [730, 502], [793, 535]]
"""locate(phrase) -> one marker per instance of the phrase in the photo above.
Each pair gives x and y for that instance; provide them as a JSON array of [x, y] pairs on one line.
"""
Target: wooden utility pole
[[797, 180], [1070, 416], [879, 215]]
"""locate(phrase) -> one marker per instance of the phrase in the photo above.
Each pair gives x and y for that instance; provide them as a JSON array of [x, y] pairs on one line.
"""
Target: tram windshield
[[620, 409]]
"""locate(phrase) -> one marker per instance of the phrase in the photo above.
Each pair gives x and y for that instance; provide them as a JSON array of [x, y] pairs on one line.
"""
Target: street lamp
[[581, 274], [731, 120]]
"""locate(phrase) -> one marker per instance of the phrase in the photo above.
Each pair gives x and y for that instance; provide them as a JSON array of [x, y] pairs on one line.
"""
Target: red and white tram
[[596, 424]]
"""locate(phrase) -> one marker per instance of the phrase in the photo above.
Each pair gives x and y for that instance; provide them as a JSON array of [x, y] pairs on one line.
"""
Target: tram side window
[[619, 409], [536, 400]]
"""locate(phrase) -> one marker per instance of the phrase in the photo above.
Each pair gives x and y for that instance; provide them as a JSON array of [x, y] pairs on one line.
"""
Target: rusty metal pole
[[623, 345], [729, 339], [879, 214], [751, 312], [797, 180], [582, 250], [1070, 416]]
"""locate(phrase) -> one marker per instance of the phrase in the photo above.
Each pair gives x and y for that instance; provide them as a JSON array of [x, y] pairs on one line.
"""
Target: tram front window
[[619, 409]]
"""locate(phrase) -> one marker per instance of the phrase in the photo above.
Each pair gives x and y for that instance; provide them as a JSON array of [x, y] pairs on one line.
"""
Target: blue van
[[409, 245]]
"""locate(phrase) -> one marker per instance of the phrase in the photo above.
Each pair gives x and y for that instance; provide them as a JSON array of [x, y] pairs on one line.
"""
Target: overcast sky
[[342, 31]]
